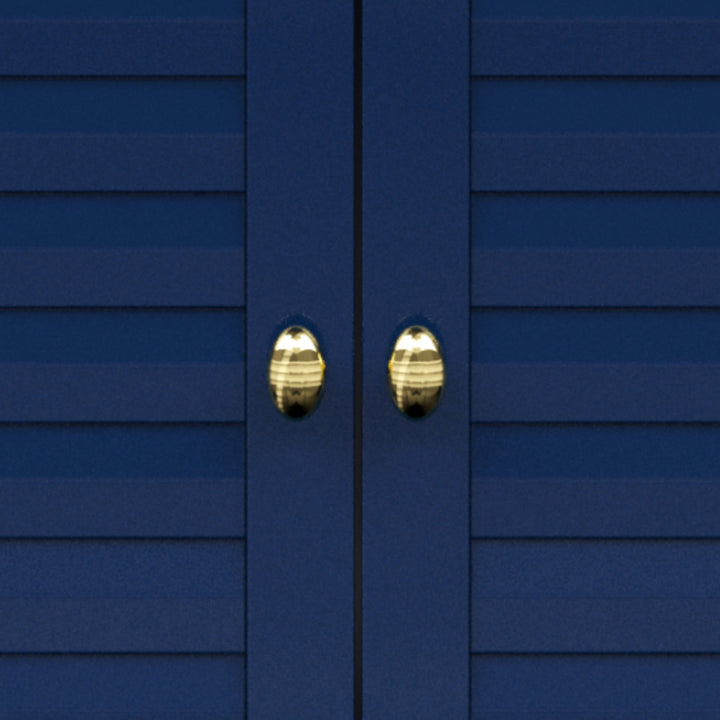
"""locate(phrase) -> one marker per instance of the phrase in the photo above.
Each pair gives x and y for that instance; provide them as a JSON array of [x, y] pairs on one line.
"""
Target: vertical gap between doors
[[357, 361], [469, 345], [245, 345]]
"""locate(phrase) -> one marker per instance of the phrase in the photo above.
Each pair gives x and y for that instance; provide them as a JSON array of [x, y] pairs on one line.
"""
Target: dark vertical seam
[[245, 387], [357, 362], [469, 351]]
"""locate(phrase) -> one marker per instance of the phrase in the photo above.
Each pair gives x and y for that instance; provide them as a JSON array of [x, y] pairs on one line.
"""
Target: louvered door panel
[[595, 374], [122, 371]]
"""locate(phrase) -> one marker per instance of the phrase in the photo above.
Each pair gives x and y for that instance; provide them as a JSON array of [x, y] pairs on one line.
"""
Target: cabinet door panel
[[415, 271], [300, 254]]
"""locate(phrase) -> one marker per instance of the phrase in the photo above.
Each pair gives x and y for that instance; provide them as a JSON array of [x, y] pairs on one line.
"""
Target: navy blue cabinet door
[[590, 143], [536, 182], [128, 337]]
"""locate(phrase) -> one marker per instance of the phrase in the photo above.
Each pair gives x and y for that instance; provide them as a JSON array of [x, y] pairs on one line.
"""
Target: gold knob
[[416, 372], [297, 372]]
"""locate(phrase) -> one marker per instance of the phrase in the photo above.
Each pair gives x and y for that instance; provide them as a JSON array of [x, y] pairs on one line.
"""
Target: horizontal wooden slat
[[591, 105], [610, 221], [595, 365], [595, 596], [586, 392], [127, 480], [83, 365], [596, 569], [123, 8], [101, 335], [616, 452], [595, 687], [141, 221], [185, 625], [132, 163], [626, 480], [122, 596], [122, 277], [142, 687], [595, 162], [569, 8], [101, 453], [549, 507], [122, 105], [596, 625], [560, 335], [122, 392], [171, 46], [619, 277], [110, 507], [599, 46]]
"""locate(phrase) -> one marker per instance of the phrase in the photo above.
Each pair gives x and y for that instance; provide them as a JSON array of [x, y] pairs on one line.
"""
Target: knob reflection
[[416, 372], [297, 372]]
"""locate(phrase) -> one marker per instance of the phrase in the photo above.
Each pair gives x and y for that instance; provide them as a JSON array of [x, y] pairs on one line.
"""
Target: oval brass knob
[[416, 372], [297, 372]]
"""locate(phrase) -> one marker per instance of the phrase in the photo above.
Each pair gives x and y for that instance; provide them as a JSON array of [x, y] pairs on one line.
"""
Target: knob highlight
[[416, 372], [296, 373]]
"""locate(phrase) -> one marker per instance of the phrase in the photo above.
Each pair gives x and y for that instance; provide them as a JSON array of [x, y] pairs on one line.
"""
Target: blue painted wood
[[191, 277], [168, 46], [120, 508], [130, 163], [550, 507], [122, 105], [595, 596], [593, 158], [149, 221], [159, 452], [116, 687], [122, 365], [594, 105], [415, 269], [586, 8], [119, 424], [598, 46], [122, 8], [580, 366], [595, 569], [596, 335], [597, 452], [610, 221], [122, 596], [607, 687], [299, 262], [57, 569], [122, 392], [566, 162], [623, 480], [585, 625], [595, 392], [150, 480], [116, 336], [582, 278]]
